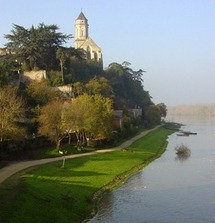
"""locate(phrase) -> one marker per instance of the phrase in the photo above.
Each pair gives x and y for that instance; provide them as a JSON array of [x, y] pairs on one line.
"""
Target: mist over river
[[170, 189]]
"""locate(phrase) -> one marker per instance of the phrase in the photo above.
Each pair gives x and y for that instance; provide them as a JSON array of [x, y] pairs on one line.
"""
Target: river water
[[170, 189]]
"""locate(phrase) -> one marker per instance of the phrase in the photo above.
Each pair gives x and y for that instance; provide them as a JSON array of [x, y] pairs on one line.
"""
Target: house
[[117, 121], [135, 112]]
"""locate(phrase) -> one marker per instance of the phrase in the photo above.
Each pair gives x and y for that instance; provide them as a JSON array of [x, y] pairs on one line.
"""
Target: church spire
[[82, 17]]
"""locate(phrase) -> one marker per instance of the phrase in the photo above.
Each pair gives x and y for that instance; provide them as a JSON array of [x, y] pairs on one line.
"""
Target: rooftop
[[82, 17]]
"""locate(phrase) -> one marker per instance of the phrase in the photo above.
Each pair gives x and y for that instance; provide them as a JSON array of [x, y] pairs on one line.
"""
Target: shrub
[[183, 152]]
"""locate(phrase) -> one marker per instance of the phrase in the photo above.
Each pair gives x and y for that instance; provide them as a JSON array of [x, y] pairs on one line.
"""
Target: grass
[[50, 152], [49, 193]]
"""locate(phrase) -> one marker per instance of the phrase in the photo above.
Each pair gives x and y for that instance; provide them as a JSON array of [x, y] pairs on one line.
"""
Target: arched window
[[95, 56]]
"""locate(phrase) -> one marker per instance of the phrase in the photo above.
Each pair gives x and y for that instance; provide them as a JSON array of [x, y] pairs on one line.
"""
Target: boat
[[189, 133], [186, 133], [182, 134]]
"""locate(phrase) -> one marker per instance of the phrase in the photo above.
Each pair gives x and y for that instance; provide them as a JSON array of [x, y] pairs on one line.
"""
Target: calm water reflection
[[169, 190]]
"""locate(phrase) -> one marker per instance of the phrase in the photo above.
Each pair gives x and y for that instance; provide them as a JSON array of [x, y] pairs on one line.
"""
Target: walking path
[[16, 167]]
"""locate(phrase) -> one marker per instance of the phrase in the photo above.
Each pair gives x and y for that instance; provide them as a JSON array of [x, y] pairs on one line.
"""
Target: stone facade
[[83, 41], [30, 76], [65, 90]]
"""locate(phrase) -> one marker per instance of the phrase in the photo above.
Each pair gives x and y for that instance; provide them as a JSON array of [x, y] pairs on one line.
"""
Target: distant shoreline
[[207, 110]]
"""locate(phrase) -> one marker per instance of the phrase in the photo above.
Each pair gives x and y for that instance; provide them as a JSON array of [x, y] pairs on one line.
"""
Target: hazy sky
[[173, 40]]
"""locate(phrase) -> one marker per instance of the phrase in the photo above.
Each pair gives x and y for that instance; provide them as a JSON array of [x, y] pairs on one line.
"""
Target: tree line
[[198, 110], [36, 109]]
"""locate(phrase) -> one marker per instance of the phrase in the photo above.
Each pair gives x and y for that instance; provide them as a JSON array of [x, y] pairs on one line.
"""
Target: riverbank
[[65, 194], [170, 189]]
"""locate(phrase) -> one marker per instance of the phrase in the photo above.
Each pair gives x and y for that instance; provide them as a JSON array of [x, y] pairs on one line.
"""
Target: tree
[[4, 73], [163, 110], [152, 115], [100, 86], [89, 116], [40, 93], [78, 88], [64, 54], [61, 55], [136, 75], [8, 66], [127, 85], [52, 122], [77, 112], [36, 47], [82, 70], [99, 123], [12, 112]]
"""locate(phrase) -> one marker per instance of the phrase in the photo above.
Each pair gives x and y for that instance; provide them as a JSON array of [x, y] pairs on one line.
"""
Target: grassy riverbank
[[50, 193]]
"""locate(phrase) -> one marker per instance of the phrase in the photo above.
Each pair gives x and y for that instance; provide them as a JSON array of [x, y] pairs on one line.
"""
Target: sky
[[172, 40]]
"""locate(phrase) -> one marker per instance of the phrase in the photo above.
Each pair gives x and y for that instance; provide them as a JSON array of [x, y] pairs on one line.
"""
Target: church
[[83, 41]]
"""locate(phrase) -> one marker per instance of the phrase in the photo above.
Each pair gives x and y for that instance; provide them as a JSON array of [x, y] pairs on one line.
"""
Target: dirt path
[[16, 167]]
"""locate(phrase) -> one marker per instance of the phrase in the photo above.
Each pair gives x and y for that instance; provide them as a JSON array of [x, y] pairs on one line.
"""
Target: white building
[[83, 41]]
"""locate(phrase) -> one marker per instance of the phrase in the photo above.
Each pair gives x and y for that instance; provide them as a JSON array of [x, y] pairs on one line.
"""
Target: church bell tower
[[81, 30], [83, 41]]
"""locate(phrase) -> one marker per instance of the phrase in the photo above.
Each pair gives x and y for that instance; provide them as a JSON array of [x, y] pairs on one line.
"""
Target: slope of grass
[[50, 193]]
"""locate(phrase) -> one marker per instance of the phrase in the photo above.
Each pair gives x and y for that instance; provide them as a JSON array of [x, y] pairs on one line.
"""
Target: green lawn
[[50, 151], [50, 193]]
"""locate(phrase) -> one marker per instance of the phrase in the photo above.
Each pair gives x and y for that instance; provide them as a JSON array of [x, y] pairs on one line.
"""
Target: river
[[170, 189]]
